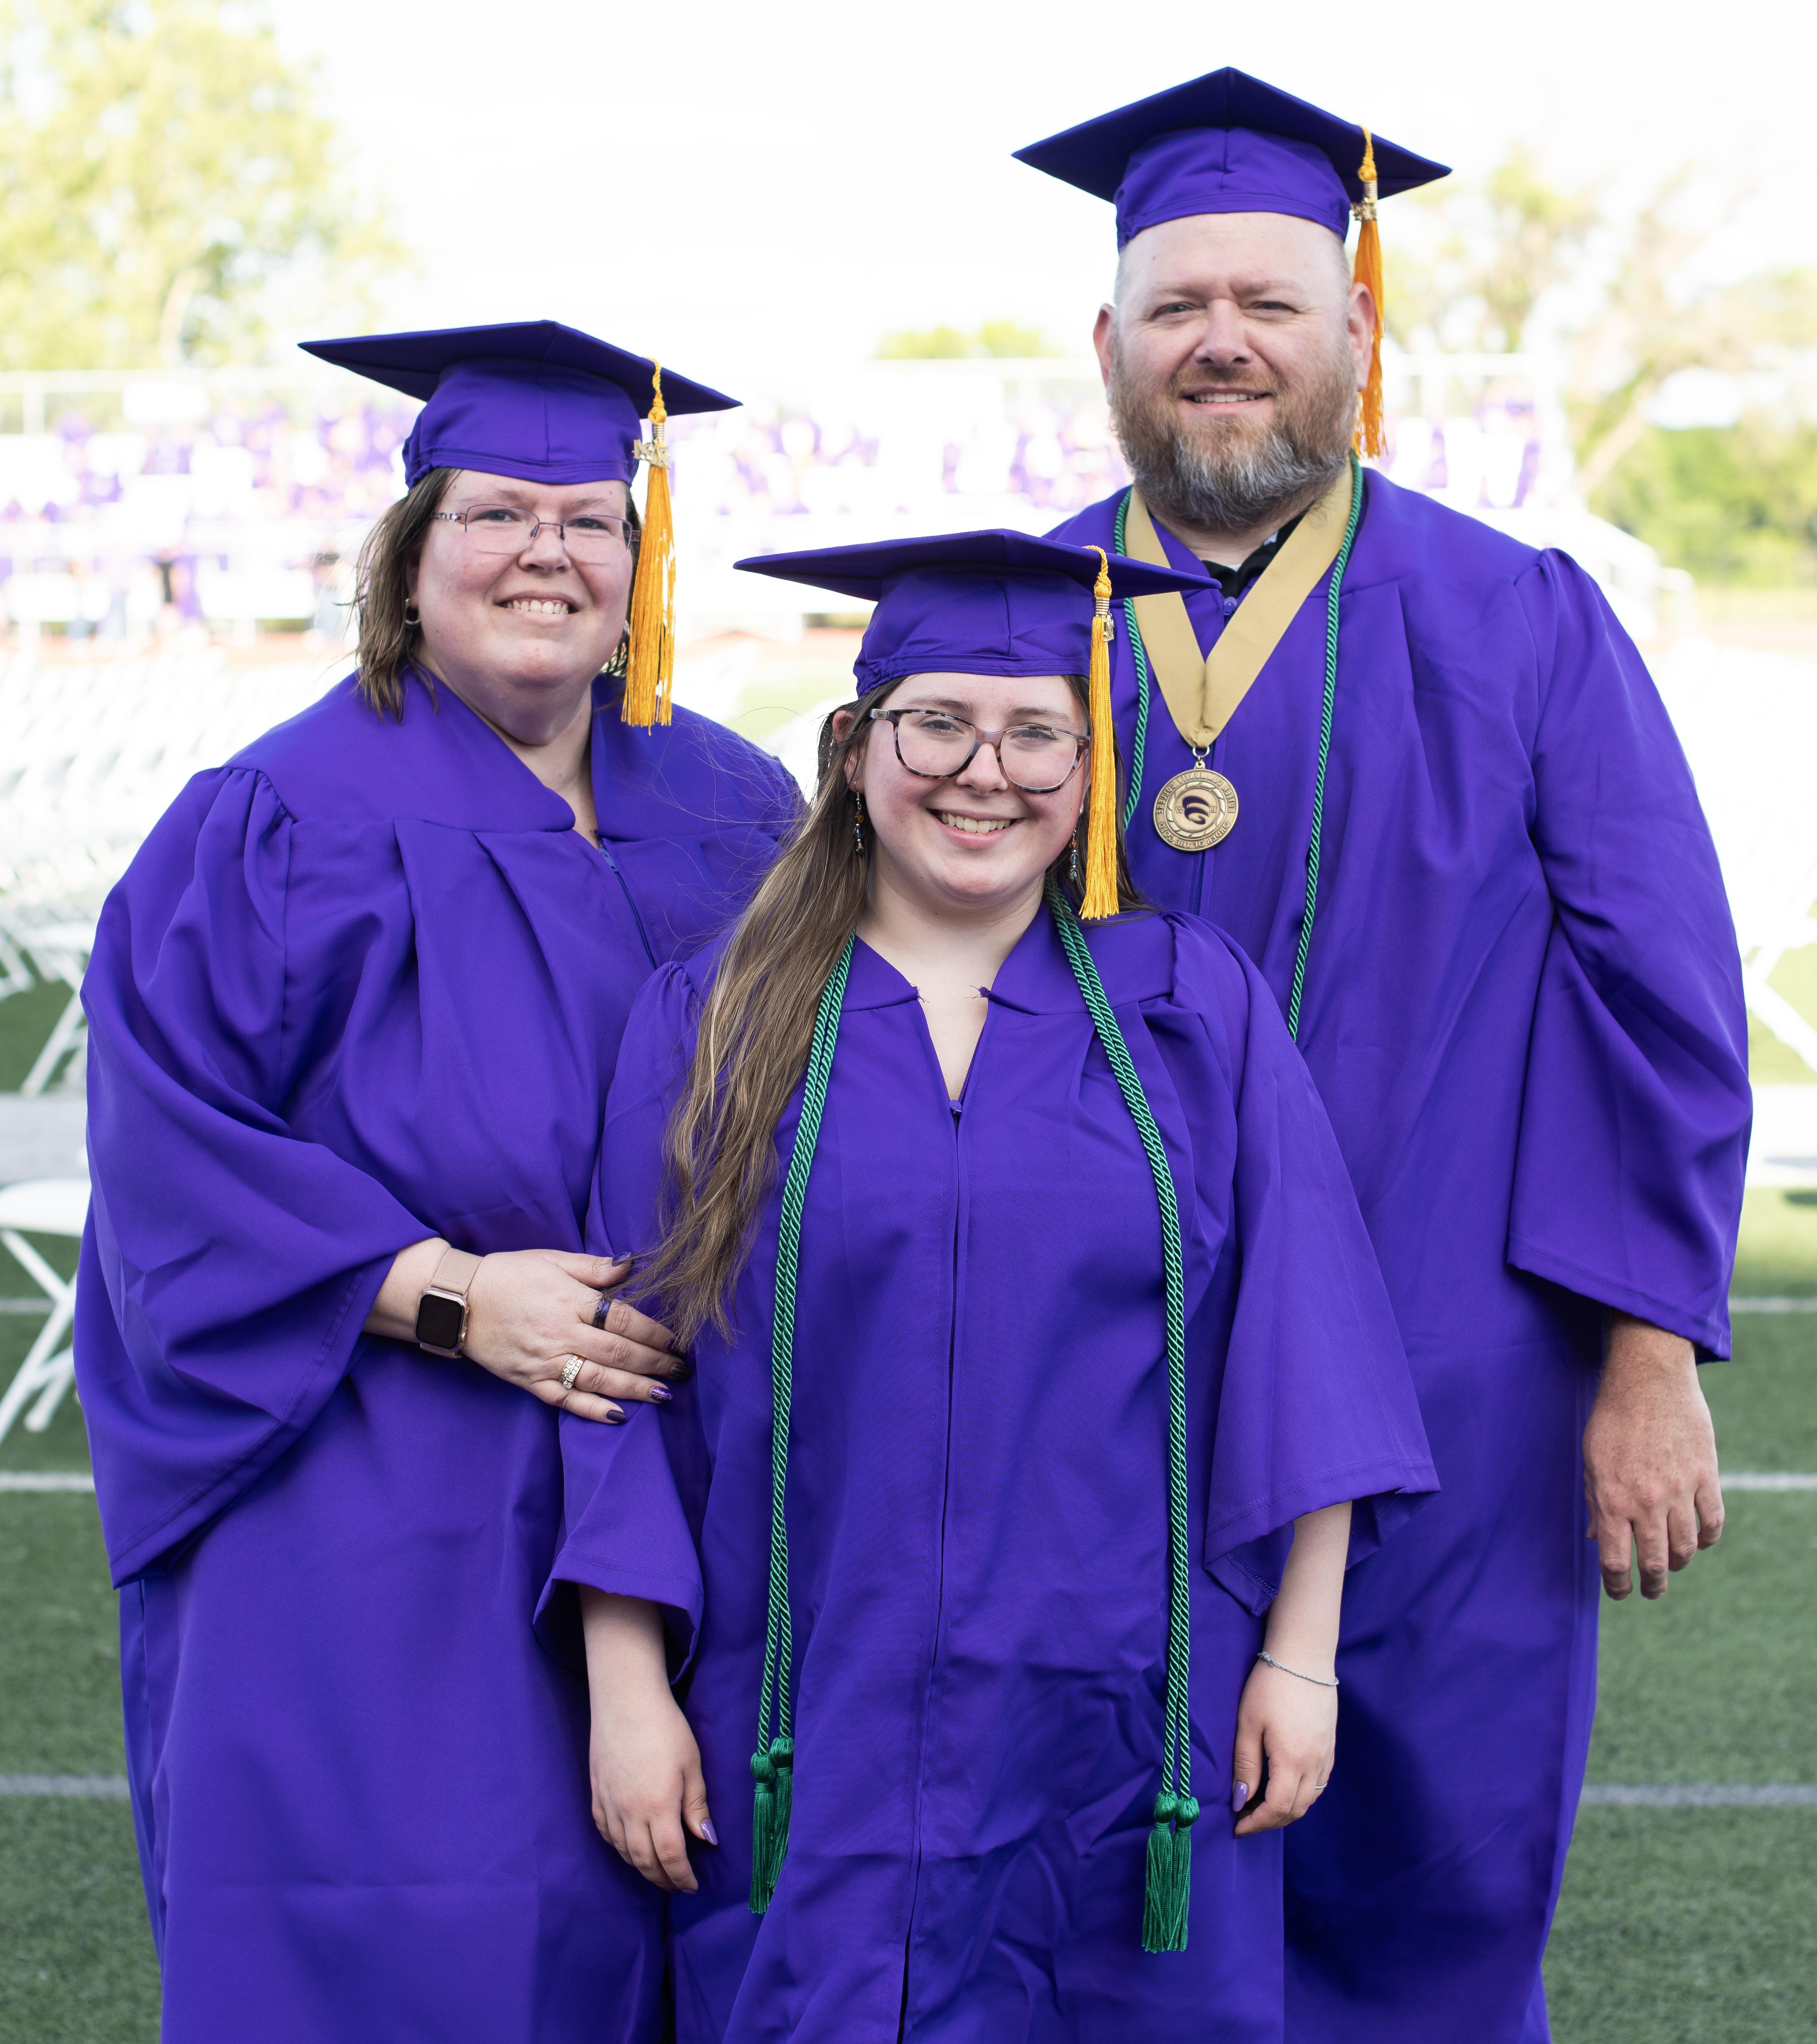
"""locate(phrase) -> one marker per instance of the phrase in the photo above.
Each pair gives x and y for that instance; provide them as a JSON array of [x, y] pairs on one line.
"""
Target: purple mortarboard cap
[[537, 400], [1225, 143], [971, 603]]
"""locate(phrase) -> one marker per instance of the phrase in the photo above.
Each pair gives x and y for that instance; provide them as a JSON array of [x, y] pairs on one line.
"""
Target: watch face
[[439, 1321]]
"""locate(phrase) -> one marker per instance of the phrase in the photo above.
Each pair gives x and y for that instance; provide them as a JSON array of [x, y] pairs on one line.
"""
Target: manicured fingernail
[[615, 1418], [659, 1396], [681, 1371], [1239, 1796], [708, 1832]]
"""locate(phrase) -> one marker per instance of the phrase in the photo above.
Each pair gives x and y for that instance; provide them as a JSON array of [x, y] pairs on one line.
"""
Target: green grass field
[[1677, 1926]]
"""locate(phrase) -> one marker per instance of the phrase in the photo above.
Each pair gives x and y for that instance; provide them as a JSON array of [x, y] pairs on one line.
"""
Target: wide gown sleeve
[[1634, 1122], [1315, 1404], [227, 1265], [624, 1529]]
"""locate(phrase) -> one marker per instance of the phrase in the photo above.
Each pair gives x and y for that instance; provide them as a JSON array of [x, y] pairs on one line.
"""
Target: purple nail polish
[[1239, 1796], [659, 1396], [708, 1832], [615, 1419]]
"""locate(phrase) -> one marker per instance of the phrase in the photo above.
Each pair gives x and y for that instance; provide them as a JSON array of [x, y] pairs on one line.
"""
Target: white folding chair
[[42, 1206]]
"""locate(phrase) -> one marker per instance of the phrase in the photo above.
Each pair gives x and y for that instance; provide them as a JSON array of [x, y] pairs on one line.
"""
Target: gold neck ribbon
[[1204, 692]]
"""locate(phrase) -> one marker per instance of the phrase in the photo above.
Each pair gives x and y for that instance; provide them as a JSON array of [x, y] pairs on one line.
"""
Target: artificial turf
[[1676, 1926]]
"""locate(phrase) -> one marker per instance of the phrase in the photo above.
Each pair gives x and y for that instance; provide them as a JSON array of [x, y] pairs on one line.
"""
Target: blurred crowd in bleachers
[[165, 506], [136, 509]]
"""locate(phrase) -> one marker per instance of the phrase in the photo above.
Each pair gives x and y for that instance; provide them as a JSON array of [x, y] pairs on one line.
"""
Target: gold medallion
[[1196, 810]]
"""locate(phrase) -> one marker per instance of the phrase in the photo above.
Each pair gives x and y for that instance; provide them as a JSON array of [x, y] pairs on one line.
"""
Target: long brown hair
[[757, 1026], [388, 638]]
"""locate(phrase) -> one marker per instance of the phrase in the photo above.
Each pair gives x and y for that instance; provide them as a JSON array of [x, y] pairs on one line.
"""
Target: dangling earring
[[1073, 865], [413, 617], [858, 828]]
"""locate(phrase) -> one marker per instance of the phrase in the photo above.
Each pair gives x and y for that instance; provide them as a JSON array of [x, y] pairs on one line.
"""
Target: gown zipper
[[630, 901]]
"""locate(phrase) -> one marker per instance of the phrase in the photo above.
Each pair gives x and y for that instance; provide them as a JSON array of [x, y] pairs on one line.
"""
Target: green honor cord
[[1325, 714], [1169, 1856], [773, 1764]]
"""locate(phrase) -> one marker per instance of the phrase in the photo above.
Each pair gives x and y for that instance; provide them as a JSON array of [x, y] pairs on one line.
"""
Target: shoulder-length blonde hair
[[758, 1024], [388, 637]]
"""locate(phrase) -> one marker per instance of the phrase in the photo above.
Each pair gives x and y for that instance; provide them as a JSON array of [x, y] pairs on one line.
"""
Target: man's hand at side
[[1650, 1459]]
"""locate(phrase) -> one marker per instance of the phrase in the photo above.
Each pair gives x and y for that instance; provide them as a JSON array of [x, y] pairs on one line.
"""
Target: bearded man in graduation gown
[[1421, 773]]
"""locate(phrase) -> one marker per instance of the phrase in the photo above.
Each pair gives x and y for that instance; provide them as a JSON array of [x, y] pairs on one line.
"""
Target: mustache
[[1216, 474]]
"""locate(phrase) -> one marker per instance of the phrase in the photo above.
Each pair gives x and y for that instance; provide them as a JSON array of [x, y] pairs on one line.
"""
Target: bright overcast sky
[[754, 189]]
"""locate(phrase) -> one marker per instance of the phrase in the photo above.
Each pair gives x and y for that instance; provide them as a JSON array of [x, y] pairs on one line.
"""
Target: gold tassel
[[1101, 825], [650, 663], [1370, 438]]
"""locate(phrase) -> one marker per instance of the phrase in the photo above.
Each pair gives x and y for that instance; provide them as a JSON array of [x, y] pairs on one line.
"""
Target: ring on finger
[[600, 1311], [571, 1369]]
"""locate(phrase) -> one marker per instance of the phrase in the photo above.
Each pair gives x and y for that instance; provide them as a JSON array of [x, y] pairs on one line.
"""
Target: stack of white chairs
[[93, 752], [53, 1207], [1748, 722]]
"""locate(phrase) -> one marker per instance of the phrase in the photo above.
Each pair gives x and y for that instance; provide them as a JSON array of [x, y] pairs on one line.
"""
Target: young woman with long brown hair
[[1040, 1357]]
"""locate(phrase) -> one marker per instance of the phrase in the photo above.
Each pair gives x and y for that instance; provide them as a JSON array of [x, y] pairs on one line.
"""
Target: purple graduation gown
[[364, 984], [1523, 1012], [977, 1499]]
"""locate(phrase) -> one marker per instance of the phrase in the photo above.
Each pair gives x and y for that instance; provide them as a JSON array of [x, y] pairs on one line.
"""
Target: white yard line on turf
[[98, 1788], [1700, 1795], [43, 1480], [1773, 1305], [1605, 1795]]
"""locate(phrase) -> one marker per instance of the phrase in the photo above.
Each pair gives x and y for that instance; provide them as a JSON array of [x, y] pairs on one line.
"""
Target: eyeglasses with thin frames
[[507, 528], [934, 745]]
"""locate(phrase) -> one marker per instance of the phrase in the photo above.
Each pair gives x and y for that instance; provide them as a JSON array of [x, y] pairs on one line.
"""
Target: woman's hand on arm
[[1283, 1719], [529, 1311], [648, 1791]]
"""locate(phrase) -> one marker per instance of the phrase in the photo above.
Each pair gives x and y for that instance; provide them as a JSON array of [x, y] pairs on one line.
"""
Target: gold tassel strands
[[1370, 438], [1100, 826], [649, 663]]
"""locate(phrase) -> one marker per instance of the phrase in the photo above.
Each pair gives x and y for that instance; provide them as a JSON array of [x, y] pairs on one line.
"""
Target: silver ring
[[571, 1370]]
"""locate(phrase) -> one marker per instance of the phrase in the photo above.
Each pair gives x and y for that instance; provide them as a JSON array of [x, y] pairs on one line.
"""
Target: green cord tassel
[[1169, 1887], [773, 1801]]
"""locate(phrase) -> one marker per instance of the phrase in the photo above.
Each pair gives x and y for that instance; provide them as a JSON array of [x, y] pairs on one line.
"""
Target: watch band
[[454, 1273], [441, 1312]]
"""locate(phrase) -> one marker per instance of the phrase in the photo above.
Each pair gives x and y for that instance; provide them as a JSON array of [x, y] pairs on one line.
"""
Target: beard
[[1222, 475]]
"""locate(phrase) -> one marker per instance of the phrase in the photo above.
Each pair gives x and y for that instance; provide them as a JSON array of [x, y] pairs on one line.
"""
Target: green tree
[[1003, 340], [1502, 243], [1732, 503], [160, 166]]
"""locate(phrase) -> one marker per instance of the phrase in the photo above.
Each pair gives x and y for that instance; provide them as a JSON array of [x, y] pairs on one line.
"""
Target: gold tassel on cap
[[1100, 822], [1370, 439], [650, 664]]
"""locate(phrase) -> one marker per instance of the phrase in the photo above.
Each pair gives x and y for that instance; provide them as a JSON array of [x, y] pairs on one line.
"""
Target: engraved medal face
[[1196, 810]]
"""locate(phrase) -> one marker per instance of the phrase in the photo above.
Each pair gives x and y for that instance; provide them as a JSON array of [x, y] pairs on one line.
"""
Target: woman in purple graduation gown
[[353, 1011], [1045, 1378]]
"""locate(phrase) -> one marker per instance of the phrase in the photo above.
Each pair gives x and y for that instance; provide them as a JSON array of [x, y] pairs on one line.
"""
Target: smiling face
[[1233, 356], [972, 843], [520, 636]]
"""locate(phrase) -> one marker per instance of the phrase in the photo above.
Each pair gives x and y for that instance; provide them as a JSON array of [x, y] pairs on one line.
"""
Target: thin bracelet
[[1285, 1670]]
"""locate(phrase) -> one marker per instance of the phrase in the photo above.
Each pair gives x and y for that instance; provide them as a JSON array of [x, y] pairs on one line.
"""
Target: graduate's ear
[[843, 720]]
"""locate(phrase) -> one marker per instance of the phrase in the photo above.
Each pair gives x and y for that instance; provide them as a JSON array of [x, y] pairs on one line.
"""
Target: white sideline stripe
[[45, 1480], [1650, 1796], [94, 1788], [1739, 1303], [1701, 1795]]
